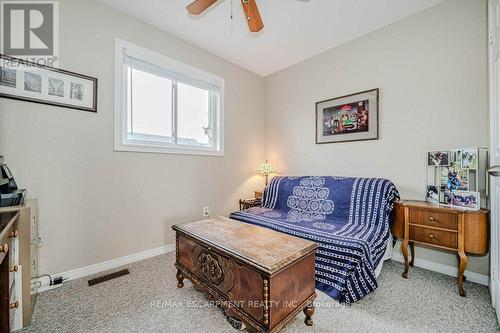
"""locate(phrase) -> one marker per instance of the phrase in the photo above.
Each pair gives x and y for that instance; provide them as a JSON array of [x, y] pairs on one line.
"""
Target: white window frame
[[171, 69]]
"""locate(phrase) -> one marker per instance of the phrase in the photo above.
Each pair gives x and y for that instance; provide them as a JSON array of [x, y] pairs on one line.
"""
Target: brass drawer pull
[[431, 236], [4, 248], [432, 218], [14, 305], [13, 268], [13, 234]]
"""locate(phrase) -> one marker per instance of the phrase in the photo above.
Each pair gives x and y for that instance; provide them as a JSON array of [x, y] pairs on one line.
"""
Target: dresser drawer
[[434, 219], [13, 274], [434, 237], [15, 306], [14, 250]]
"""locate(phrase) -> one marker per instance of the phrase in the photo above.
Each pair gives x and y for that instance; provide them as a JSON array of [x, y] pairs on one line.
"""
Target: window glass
[[193, 123], [164, 106], [150, 105]]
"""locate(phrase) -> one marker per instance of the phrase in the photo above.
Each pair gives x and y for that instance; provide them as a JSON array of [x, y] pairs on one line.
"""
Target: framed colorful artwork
[[348, 118], [27, 81]]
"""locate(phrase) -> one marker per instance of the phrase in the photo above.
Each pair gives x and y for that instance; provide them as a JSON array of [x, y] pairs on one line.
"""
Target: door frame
[[494, 98]]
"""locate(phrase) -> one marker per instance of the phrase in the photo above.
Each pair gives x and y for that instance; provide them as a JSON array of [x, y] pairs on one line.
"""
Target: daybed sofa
[[349, 218]]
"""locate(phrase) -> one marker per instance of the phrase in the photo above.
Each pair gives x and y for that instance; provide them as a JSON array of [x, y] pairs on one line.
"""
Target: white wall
[[431, 69], [96, 204]]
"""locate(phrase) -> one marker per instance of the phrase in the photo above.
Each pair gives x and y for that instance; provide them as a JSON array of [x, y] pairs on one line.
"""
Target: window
[[164, 106]]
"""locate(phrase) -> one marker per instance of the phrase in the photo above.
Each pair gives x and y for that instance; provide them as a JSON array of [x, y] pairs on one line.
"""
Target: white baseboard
[[444, 269], [107, 265], [114, 263]]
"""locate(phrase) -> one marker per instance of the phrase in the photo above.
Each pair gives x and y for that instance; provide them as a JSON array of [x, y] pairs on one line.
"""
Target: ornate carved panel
[[210, 268]]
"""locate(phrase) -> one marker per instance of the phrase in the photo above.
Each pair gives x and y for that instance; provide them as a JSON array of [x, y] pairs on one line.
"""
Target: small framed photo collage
[[456, 173]]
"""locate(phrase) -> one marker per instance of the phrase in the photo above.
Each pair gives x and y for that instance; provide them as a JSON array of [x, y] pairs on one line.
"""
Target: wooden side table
[[251, 202], [442, 227]]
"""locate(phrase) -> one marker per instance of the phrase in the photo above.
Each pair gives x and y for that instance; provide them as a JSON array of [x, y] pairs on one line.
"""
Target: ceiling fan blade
[[253, 16], [199, 6]]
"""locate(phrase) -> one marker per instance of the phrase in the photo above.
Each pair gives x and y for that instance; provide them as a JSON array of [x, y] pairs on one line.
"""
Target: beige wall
[[96, 204], [431, 69]]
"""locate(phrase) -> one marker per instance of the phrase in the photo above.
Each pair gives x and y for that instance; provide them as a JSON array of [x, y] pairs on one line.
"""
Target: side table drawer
[[434, 219], [444, 238]]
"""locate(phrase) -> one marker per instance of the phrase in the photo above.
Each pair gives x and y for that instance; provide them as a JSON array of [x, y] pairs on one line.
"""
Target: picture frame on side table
[[28, 81], [348, 118], [445, 195], [466, 199], [454, 177], [438, 158], [432, 194], [459, 172], [468, 158]]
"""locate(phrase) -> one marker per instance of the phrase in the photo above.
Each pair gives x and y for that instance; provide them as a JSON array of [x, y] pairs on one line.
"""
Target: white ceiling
[[294, 30]]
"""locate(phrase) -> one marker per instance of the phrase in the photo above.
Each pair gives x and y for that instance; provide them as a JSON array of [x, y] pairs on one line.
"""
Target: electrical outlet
[[206, 211]]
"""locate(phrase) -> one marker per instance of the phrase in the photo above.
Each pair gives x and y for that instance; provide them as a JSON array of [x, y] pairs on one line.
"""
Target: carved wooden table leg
[[404, 244], [235, 322], [461, 277], [461, 253], [464, 278], [309, 311], [412, 251], [404, 250], [180, 279]]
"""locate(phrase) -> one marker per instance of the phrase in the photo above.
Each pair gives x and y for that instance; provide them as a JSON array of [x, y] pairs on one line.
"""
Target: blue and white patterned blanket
[[348, 217]]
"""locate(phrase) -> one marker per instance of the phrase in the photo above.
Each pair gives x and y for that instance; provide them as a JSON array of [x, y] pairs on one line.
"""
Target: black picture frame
[[30, 64]]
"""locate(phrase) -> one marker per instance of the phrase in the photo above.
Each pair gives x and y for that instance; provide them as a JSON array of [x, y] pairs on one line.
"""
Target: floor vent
[[108, 277]]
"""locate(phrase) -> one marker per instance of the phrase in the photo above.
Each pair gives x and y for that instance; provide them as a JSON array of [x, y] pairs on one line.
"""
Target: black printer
[[10, 195]]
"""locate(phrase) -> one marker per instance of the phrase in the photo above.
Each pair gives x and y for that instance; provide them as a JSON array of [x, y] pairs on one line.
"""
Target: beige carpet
[[148, 300]]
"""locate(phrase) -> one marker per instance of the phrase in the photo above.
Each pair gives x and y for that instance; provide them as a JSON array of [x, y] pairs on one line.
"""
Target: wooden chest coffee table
[[260, 277]]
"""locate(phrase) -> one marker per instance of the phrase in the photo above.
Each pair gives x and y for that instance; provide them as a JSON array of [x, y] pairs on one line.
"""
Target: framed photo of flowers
[[348, 118], [27, 81]]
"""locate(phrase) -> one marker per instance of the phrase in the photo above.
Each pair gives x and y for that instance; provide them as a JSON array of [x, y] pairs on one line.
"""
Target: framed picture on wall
[[348, 118], [27, 81]]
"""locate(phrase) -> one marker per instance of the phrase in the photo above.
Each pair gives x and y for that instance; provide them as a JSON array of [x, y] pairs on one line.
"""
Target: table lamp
[[266, 169]]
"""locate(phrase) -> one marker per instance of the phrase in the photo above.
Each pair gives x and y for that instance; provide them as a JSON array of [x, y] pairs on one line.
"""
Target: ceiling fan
[[249, 7]]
